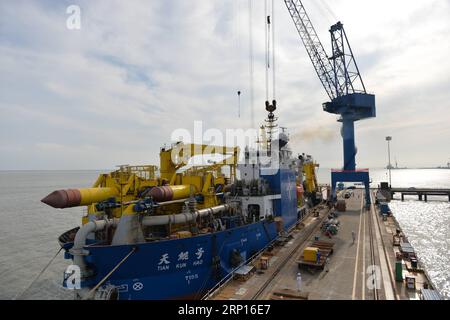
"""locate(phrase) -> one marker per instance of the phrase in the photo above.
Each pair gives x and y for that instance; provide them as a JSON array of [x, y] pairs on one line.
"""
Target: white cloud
[[138, 70]]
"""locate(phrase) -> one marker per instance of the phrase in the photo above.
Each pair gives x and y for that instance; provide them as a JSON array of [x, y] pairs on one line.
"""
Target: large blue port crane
[[340, 76]]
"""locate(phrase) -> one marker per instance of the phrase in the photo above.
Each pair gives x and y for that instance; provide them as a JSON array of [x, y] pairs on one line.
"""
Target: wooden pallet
[[287, 294], [325, 247]]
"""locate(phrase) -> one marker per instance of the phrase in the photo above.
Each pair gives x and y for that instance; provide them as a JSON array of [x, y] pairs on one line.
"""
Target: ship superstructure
[[177, 234]]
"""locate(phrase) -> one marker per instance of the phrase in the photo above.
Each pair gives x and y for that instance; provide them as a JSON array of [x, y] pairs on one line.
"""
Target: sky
[[114, 91]]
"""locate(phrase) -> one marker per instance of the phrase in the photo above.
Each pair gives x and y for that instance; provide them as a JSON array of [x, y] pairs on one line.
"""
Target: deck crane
[[343, 83]]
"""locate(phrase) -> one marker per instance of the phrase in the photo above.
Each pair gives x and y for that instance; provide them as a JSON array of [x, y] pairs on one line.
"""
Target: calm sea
[[427, 225], [29, 229]]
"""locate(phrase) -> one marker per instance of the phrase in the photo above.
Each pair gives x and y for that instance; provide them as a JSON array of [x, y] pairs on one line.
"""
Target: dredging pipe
[[169, 193], [78, 197], [185, 217], [80, 241]]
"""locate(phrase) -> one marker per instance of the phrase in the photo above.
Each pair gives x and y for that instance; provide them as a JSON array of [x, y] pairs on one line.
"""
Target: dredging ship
[[178, 234]]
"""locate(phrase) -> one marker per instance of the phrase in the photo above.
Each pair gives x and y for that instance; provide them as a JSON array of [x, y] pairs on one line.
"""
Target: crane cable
[[251, 62], [329, 10], [239, 103], [327, 13], [238, 51], [273, 51], [270, 46], [266, 43]]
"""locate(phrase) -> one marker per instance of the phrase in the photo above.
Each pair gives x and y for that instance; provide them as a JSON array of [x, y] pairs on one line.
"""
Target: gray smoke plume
[[319, 133]]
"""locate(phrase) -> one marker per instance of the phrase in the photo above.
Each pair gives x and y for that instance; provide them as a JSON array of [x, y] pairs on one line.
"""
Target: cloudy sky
[[114, 91]]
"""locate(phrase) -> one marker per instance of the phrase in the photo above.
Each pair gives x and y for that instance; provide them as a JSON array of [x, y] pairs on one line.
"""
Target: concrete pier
[[360, 270], [422, 193]]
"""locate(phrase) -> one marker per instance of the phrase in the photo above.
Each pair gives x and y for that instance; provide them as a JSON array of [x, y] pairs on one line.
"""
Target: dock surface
[[359, 270]]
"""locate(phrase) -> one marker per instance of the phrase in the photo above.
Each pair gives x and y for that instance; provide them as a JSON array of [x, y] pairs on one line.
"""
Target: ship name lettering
[[183, 256], [199, 253], [198, 262], [192, 277], [164, 259], [163, 268]]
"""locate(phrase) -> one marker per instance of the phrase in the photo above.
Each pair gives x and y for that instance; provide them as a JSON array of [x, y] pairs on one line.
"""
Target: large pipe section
[[169, 193], [78, 197], [80, 241], [184, 217], [81, 197]]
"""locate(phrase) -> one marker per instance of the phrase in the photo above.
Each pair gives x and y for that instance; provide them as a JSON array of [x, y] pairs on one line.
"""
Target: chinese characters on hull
[[182, 260]]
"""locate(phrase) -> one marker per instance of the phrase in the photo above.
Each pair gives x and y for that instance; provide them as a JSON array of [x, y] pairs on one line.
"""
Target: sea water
[[29, 229]]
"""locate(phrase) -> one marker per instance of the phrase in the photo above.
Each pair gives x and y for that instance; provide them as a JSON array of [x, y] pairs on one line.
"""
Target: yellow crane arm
[[180, 154]]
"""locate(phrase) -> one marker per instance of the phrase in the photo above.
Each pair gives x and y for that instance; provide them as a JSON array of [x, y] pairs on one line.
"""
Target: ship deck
[[348, 272]]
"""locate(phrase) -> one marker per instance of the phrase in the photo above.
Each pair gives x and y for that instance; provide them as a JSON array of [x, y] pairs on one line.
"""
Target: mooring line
[[40, 273], [110, 273]]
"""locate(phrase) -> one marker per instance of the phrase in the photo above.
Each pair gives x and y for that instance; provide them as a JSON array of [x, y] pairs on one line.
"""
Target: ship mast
[[271, 124]]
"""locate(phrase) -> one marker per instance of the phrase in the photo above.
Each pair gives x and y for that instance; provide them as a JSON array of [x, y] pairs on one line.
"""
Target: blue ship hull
[[187, 272]]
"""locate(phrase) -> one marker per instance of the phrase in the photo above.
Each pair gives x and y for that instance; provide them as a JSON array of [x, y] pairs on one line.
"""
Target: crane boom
[[314, 47], [339, 73], [347, 76]]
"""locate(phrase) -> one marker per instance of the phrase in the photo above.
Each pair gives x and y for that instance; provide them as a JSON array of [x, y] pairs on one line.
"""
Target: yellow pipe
[[94, 195], [168, 193], [78, 197], [181, 192]]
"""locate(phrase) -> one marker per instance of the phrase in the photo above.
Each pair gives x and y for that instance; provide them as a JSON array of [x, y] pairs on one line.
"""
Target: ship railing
[[147, 172], [348, 171], [211, 292]]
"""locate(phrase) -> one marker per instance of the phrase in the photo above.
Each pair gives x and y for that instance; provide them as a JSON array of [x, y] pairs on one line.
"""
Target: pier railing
[[422, 193]]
